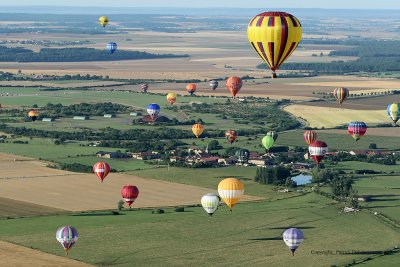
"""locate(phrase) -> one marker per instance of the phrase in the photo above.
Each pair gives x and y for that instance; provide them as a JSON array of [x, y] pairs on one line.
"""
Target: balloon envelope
[[357, 129], [153, 110], [67, 236], [242, 155], [171, 98], [191, 88], [293, 238], [197, 129], [310, 136], [210, 203], [267, 142], [103, 20], [393, 112], [231, 136], [341, 94], [33, 114], [234, 84], [112, 47], [129, 193], [214, 84], [144, 87], [101, 169], [274, 36], [231, 190], [318, 150]]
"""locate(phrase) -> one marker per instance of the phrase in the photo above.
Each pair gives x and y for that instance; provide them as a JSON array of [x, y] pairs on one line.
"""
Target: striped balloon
[[197, 129], [310, 136], [274, 36], [144, 87], [101, 169], [293, 238], [393, 112], [111, 47], [231, 190], [153, 110], [67, 236], [318, 150], [210, 203], [341, 94], [234, 84], [357, 129], [214, 84], [129, 193]]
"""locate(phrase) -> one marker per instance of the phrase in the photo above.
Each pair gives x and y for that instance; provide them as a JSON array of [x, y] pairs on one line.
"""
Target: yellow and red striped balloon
[[197, 129], [101, 169], [231, 190], [310, 136], [341, 94], [274, 36]]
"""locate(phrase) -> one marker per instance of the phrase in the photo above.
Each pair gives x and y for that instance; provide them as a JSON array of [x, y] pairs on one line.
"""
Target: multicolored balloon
[[112, 47], [357, 129], [153, 110], [310, 136], [210, 203], [33, 114], [231, 136], [101, 169], [393, 112], [103, 20], [234, 84], [144, 87], [129, 193], [171, 98], [274, 36], [267, 142], [273, 134], [318, 150], [191, 88], [341, 94], [293, 238], [67, 236], [231, 190], [197, 129], [214, 84]]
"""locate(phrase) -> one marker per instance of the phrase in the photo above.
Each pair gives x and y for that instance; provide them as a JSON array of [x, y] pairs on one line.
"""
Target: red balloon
[[129, 193], [318, 150], [101, 169], [234, 84]]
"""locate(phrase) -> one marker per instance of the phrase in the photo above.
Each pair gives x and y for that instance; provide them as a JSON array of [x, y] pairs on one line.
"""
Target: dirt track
[[16, 256], [29, 181]]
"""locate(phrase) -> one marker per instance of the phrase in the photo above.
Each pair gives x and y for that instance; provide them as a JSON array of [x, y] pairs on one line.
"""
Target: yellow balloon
[[103, 20], [171, 98], [231, 190], [197, 129], [274, 36]]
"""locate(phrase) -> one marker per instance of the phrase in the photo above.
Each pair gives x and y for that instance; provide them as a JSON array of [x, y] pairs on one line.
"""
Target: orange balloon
[[197, 129], [234, 84], [191, 88]]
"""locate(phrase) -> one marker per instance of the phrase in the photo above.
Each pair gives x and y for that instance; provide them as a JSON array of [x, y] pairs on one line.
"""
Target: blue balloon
[[111, 48], [153, 110]]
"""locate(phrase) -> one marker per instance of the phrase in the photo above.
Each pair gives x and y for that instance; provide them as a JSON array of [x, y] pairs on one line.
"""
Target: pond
[[302, 179]]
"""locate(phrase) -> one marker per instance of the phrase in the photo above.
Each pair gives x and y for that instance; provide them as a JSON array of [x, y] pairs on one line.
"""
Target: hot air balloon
[[357, 129], [273, 134], [103, 20], [111, 47], [393, 112], [341, 94], [197, 129], [153, 110], [171, 98], [234, 84], [67, 236], [231, 136], [129, 193], [274, 36], [242, 155], [230, 190], [310, 136], [293, 238], [210, 203], [191, 88], [144, 87], [33, 114], [214, 84], [267, 142], [318, 150], [101, 169]]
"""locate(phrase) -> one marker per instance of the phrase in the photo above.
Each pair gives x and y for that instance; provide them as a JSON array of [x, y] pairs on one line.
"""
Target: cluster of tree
[[341, 185], [275, 176], [380, 159], [17, 54], [143, 146], [373, 56]]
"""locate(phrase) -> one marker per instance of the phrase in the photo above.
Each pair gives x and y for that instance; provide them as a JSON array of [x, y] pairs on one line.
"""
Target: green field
[[251, 235]]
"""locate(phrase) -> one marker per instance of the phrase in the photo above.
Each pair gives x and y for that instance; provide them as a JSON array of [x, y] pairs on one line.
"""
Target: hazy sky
[[339, 4]]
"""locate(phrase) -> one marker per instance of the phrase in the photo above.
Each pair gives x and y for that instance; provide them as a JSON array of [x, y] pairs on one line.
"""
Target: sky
[[336, 4]]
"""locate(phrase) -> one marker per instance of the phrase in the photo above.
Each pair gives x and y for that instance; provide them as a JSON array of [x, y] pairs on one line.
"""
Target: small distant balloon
[[310, 136], [267, 142], [293, 237], [197, 129], [393, 112], [144, 87], [341, 94], [33, 114], [129, 193], [153, 110], [171, 98], [210, 203], [101, 169], [318, 150], [214, 84], [231, 136], [357, 129], [67, 236], [191, 88], [111, 47], [234, 84], [103, 20]]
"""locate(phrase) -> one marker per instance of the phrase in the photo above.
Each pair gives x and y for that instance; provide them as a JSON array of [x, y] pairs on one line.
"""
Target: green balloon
[[267, 142]]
